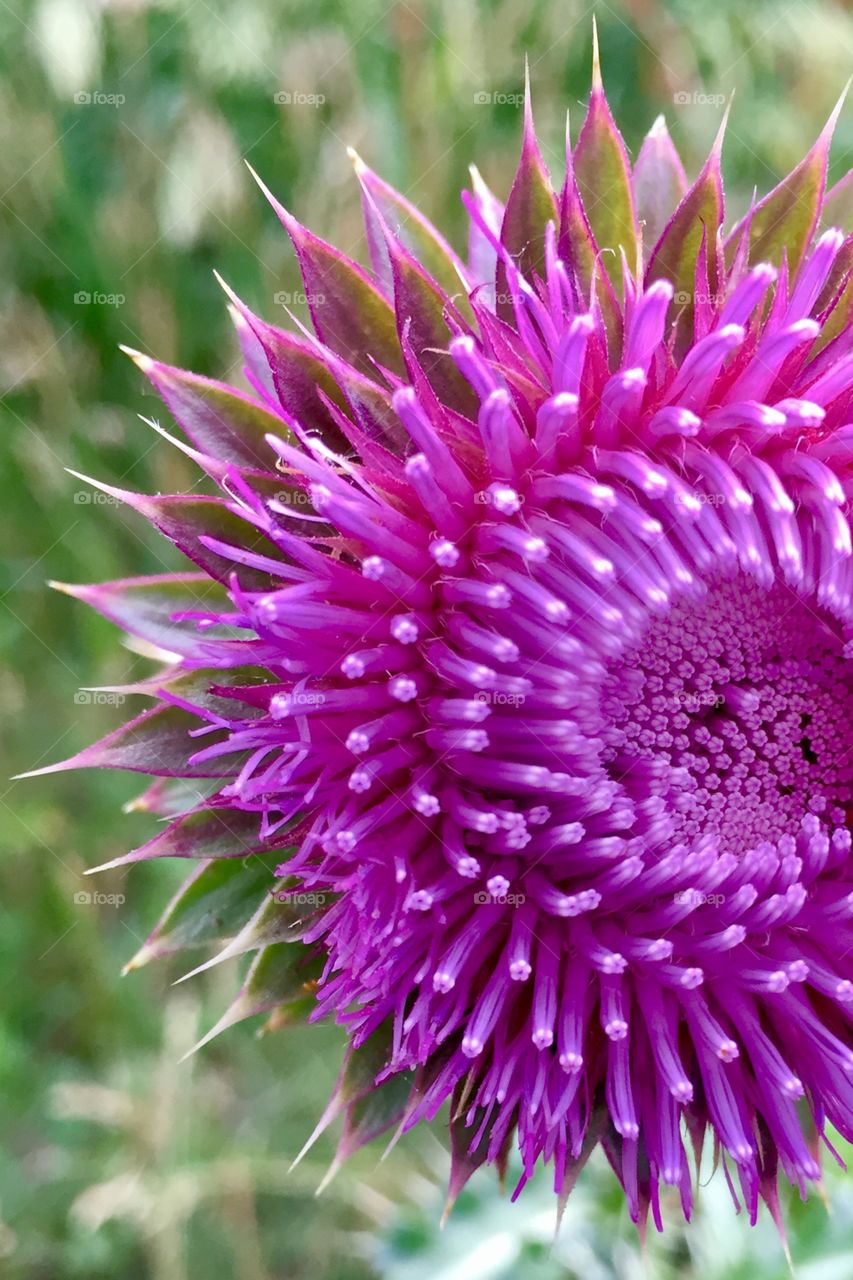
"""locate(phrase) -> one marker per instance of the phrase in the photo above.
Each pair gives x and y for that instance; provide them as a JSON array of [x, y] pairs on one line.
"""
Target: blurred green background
[[123, 126]]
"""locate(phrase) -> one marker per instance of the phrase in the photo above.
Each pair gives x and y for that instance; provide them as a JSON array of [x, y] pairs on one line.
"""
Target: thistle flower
[[518, 644]]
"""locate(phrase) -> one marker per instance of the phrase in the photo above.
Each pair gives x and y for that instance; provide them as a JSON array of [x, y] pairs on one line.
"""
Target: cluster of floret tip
[[523, 623]]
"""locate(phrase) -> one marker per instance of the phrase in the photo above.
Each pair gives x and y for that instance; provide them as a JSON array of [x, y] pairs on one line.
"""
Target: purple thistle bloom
[[520, 632]]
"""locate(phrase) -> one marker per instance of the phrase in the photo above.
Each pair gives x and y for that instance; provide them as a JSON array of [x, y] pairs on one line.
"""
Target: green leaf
[[281, 973], [211, 906], [531, 205], [364, 1063], [350, 314], [280, 977], [785, 220], [603, 175], [283, 916], [205, 687], [357, 1078], [838, 291], [171, 797], [464, 1161], [155, 742], [185, 520], [699, 214], [197, 686], [144, 607], [372, 409], [838, 206], [375, 1112], [578, 246], [202, 835], [300, 375], [659, 182], [222, 422], [420, 306], [427, 245]]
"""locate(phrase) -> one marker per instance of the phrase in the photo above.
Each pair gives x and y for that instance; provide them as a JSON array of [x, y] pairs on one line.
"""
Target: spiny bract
[[520, 637]]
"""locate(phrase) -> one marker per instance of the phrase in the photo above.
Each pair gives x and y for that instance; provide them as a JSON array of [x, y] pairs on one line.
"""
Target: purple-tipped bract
[[519, 636]]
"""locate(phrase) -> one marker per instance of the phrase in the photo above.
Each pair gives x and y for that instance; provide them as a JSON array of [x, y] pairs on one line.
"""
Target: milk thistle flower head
[[506, 711]]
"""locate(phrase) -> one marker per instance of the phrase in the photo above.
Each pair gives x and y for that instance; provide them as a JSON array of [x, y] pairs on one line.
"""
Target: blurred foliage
[[123, 126], [597, 1240]]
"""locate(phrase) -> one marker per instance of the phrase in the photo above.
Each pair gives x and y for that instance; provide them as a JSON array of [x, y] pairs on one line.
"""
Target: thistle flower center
[[742, 701]]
